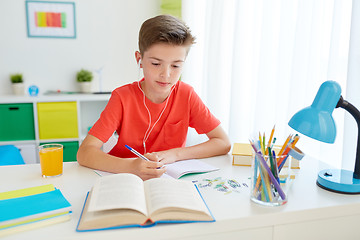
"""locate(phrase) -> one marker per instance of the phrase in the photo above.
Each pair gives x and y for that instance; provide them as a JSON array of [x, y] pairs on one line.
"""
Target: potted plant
[[17, 83], [84, 78]]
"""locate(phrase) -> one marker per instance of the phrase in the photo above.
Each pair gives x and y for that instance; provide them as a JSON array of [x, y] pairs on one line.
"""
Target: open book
[[179, 168], [124, 200]]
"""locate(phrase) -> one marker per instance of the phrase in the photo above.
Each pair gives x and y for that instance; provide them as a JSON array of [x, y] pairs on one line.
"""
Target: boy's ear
[[138, 57]]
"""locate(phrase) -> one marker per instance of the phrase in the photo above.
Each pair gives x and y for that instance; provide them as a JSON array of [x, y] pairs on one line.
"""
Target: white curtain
[[353, 89], [258, 62]]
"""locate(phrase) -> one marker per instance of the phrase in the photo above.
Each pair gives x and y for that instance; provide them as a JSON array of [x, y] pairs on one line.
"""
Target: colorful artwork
[[50, 19]]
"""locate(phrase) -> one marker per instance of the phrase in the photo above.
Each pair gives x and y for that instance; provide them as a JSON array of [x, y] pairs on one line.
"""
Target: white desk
[[311, 213]]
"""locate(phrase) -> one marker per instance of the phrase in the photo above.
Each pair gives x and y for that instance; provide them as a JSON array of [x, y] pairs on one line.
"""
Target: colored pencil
[[270, 139], [284, 145], [272, 178]]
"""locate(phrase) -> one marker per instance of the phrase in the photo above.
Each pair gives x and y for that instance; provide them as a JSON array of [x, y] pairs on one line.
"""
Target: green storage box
[[17, 122], [70, 150]]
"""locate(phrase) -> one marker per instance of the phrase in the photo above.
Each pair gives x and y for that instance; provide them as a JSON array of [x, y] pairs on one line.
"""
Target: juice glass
[[51, 160]]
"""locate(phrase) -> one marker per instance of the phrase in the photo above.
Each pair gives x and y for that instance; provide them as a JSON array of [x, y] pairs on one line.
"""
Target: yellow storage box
[[57, 120]]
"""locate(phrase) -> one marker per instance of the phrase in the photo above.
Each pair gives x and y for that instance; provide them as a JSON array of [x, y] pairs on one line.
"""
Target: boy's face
[[162, 66]]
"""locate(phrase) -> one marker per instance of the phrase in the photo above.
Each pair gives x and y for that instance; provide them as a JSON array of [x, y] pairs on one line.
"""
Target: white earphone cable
[[148, 131]]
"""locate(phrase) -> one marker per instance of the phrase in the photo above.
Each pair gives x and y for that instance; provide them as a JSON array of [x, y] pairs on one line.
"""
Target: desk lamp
[[317, 122]]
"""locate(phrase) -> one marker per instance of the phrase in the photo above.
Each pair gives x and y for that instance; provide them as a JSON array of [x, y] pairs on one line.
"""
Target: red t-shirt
[[126, 114]]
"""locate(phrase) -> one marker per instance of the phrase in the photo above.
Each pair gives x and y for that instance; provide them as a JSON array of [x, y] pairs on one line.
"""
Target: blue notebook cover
[[147, 224], [33, 206]]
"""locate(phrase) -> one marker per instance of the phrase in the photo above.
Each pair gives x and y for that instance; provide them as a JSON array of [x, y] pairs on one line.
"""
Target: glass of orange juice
[[51, 160]]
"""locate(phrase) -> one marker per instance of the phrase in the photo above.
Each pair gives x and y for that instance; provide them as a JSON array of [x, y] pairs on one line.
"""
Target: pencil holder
[[270, 178]]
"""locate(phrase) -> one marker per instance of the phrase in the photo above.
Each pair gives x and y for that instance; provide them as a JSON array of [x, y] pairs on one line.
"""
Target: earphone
[[139, 72]]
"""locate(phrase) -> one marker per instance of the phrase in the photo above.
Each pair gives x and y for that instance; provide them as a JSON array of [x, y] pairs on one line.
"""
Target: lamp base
[[339, 181]]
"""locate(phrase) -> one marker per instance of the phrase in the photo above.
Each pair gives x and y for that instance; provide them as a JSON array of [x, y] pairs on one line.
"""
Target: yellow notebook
[[26, 191], [37, 224]]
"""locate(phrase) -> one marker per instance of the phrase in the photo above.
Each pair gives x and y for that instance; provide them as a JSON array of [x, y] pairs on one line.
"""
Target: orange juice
[[51, 160]]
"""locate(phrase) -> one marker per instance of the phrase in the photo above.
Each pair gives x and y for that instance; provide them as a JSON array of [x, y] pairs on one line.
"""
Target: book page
[[172, 193], [180, 168], [118, 191]]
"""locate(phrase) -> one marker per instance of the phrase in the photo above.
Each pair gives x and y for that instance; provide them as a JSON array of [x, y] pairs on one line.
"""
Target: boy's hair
[[164, 29]]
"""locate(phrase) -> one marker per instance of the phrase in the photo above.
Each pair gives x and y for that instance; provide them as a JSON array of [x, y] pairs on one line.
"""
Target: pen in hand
[[136, 153], [139, 154]]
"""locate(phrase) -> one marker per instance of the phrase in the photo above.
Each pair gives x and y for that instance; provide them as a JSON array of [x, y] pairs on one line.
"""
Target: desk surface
[[235, 214]]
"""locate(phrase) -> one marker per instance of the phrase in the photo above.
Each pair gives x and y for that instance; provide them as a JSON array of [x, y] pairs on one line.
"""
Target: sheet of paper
[[181, 168]]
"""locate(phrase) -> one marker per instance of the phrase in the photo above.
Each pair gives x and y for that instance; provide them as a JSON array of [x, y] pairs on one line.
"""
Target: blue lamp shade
[[316, 121]]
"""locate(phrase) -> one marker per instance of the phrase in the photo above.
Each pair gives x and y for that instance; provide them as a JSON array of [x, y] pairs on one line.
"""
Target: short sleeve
[[110, 119], [201, 119]]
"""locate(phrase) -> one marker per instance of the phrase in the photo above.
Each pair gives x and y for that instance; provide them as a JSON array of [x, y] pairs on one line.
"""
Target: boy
[[153, 115]]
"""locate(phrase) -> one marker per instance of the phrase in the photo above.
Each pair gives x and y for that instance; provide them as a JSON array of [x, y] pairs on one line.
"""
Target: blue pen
[[262, 175], [276, 168], [256, 162], [136, 153]]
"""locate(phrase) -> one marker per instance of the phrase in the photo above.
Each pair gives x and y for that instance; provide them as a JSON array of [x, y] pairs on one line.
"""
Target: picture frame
[[50, 19]]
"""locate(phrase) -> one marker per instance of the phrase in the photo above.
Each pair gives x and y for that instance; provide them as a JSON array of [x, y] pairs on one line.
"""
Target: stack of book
[[30, 208], [243, 156]]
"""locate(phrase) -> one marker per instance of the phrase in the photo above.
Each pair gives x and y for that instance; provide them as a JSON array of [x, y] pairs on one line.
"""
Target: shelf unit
[[87, 111]]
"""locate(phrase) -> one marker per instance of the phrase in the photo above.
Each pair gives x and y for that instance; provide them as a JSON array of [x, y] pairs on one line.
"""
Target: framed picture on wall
[[50, 19]]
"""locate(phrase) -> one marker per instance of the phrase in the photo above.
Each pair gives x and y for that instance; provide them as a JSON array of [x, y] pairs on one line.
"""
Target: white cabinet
[[28, 152], [87, 110]]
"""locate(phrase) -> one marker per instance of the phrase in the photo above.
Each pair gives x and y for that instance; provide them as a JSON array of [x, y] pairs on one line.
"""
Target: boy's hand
[[148, 169], [165, 157]]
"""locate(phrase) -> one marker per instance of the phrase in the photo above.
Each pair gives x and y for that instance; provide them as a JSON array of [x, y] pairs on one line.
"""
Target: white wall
[[106, 30]]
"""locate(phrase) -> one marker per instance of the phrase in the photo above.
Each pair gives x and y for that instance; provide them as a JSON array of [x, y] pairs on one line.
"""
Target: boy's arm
[[218, 144], [90, 155]]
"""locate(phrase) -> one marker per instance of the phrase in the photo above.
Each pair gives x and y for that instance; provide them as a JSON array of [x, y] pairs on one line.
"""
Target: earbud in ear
[[139, 62]]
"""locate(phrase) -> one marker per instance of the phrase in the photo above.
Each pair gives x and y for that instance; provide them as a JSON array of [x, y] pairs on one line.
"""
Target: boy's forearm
[[96, 159], [212, 147], [218, 144]]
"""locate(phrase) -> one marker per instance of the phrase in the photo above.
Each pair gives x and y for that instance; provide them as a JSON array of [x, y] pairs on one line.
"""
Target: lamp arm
[[356, 114]]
